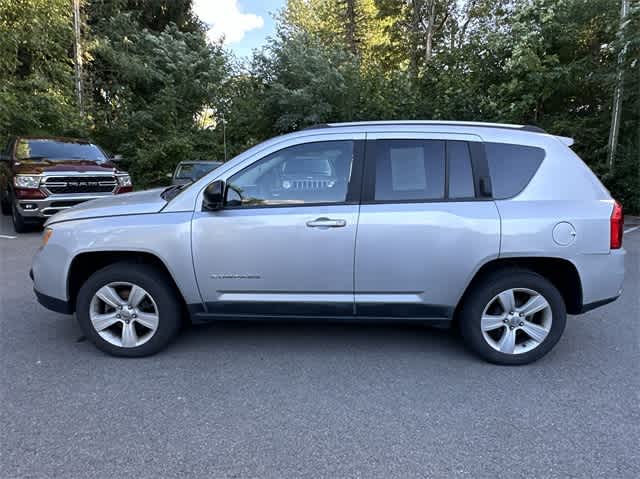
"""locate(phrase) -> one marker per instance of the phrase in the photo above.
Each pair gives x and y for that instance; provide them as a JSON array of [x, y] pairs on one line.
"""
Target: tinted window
[[460, 170], [511, 167], [39, 149], [195, 171], [301, 174], [409, 170]]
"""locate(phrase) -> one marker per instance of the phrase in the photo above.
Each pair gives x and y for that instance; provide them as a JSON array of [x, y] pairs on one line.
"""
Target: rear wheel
[[513, 317], [129, 310]]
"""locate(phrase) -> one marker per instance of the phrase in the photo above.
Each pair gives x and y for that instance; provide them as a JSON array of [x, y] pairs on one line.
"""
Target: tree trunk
[[77, 55], [416, 18], [430, 31], [351, 26], [617, 94]]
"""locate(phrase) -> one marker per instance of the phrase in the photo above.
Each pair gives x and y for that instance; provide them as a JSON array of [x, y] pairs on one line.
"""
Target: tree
[[36, 73]]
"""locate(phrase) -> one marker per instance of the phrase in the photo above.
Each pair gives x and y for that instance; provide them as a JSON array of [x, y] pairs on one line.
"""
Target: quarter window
[[408, 170], [299, 175], [511, 167]]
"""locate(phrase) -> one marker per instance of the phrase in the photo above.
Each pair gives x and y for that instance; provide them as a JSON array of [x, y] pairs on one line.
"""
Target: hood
[[36, 167], [140, 202]]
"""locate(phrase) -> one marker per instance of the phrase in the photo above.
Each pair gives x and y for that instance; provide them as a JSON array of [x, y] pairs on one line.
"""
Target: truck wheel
[[129, 310], [5, 204], [512, 317], [19, 224]]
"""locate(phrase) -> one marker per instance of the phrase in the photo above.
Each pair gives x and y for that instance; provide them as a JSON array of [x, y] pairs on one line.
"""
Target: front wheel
[[513, 317], [19, 223], [129, 310], [5, 203]]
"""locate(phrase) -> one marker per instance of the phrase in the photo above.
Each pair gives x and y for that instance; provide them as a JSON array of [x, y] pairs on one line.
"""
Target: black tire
[[159, 287], [19, 223], [487, 288], [5, 204]]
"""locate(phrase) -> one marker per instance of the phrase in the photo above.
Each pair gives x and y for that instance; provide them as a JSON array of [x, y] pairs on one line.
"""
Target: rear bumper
[[601, 276]]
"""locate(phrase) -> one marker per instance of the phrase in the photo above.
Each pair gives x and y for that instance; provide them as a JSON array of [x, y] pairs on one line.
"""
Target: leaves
[[158, 93]]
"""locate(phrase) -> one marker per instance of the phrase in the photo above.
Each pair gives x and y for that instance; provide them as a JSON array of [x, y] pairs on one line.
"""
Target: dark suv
[[40, 176]]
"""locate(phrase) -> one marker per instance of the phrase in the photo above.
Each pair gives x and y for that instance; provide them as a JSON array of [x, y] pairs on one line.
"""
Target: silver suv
[[499, 229]]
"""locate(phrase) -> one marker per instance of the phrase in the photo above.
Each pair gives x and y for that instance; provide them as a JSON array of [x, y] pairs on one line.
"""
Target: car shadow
[[319, 336]]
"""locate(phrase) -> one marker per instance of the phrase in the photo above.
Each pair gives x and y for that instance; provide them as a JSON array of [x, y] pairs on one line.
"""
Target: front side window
[[302, 174], [407, 170]]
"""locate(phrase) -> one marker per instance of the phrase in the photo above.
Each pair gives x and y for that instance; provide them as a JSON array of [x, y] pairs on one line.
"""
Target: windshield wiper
[[170, 192], [34, 158]]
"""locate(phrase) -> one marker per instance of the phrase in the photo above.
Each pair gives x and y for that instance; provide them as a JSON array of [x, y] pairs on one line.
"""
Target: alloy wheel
[[124, 314], [516, 321]]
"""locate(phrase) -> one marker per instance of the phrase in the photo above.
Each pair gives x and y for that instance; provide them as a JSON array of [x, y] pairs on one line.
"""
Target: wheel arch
[[85, 264], [560, 272]]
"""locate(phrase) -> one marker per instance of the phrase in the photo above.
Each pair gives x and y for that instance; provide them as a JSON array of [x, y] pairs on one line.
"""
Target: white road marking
[[631, 229], [8, 237]]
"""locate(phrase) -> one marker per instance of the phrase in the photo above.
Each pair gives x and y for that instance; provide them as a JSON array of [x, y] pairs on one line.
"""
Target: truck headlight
[[124, 180], [26, 181]]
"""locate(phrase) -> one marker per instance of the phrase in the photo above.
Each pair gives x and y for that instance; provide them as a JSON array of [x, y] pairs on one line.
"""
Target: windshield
[[194, 171], [45, 149]]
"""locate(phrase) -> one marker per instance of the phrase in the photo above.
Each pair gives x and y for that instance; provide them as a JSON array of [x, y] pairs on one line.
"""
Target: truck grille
[[311, 184], [58, 185]]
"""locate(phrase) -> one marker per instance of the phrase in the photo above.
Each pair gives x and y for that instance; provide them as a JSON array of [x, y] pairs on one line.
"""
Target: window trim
[[479, 169], [354, 188]]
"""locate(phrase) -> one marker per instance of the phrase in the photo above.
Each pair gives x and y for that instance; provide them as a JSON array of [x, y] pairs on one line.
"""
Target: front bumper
[[49, 206], [54, 304]]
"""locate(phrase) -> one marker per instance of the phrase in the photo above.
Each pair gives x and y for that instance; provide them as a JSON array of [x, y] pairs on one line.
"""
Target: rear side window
[[408, 170], [511, 167]]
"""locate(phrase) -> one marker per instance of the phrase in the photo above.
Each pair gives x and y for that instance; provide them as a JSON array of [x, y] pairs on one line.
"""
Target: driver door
[[283, 244]]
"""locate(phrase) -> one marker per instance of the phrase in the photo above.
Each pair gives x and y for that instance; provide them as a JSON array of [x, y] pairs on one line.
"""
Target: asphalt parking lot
[[313, 400]]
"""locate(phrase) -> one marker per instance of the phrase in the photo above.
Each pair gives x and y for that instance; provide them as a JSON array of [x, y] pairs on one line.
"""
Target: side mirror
[[116, 158], [169, 175], [213, 196]]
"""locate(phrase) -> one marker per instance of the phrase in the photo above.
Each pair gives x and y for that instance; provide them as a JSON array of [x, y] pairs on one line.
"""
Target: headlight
[[46, 235], [24, 181], [124, 180], [286, 184]]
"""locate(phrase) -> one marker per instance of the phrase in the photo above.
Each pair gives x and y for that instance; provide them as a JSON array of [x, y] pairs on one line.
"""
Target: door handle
[[326, 223]]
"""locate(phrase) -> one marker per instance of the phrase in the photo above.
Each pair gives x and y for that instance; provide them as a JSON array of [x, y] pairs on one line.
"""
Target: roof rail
[[529, 128]]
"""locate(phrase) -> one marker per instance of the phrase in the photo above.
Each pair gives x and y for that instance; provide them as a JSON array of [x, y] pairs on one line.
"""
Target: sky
[[245, 24]]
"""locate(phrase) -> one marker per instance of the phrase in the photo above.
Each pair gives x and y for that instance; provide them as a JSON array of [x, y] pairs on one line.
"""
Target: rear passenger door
[[426, 224]]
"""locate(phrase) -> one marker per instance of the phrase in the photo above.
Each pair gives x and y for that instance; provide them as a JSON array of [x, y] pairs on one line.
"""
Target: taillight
[[617, 223]]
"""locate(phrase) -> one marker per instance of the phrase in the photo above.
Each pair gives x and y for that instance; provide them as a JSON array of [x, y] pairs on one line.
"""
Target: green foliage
[[158, 93], [36, 86], [148, 88]]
